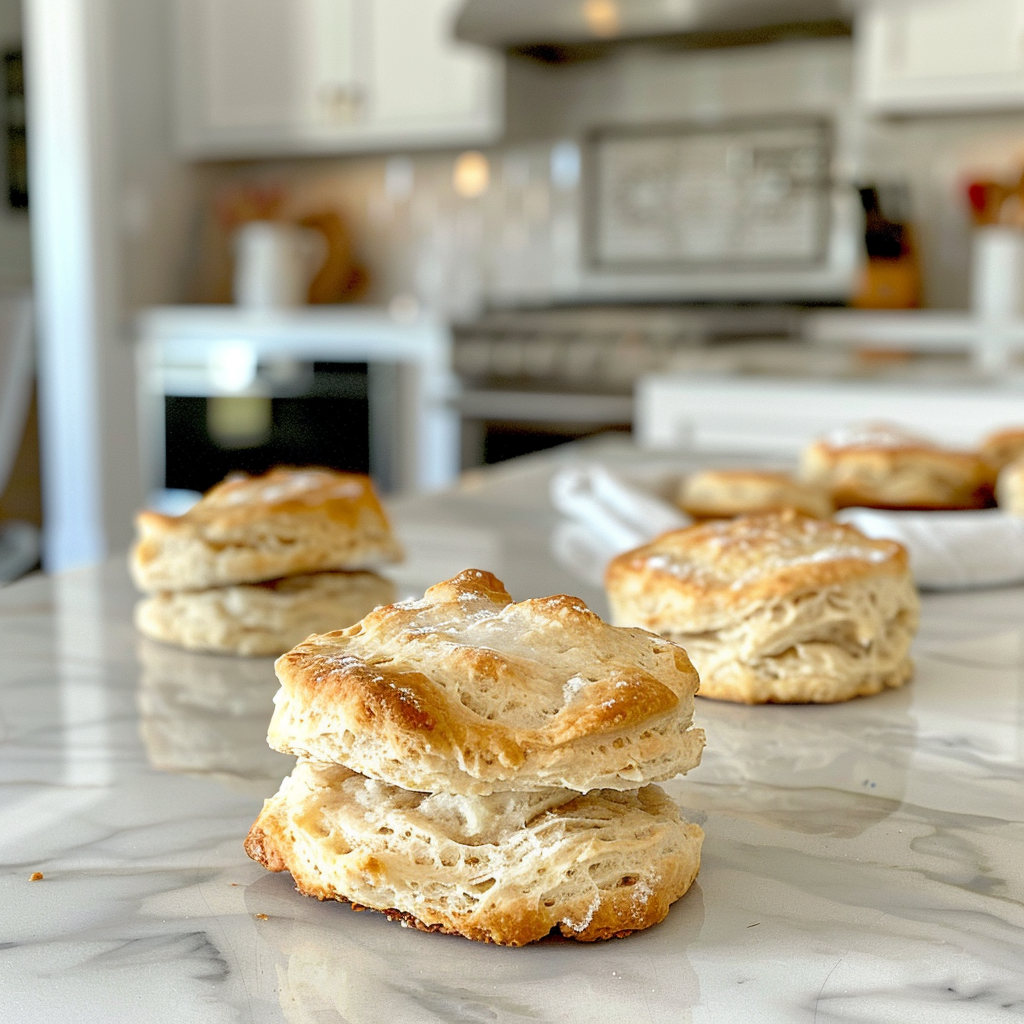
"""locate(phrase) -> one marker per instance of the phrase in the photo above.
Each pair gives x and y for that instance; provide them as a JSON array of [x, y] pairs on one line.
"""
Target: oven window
[[209, 437]]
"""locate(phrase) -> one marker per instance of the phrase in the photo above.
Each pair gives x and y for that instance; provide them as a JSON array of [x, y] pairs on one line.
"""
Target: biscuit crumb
[[262, 917], [36, 876]]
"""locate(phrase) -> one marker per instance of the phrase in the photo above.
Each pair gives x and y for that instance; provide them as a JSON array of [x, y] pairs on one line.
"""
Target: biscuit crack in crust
[[465, 691], [775, 608], [286, 522], [506, 868]]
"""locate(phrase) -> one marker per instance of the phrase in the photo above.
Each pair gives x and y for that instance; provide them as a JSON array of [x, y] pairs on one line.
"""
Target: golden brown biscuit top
[[723, 492], [887, 467], [754, 476], [756, 557], [888, 440], [875, 437], [241, 499], [545, 671]]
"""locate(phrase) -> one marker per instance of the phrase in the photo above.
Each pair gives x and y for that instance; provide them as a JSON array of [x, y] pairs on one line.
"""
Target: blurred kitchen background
[[414, 236]]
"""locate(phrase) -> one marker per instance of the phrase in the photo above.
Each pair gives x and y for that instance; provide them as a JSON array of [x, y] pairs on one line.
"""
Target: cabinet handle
[[341, 103]]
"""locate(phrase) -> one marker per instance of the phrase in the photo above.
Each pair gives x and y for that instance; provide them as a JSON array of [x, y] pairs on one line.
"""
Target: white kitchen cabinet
[[940, 55], [266, 77]]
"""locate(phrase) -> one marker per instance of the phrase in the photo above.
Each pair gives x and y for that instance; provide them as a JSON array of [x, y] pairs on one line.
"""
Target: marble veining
[[863, 861]]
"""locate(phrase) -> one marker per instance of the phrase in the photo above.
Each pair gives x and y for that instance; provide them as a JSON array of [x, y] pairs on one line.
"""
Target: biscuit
[[507, 868], [776, 607], [464, 691], [881, 466], [268, 618], [1003, 447], [250, 528], [724, 493], [1010, 487]]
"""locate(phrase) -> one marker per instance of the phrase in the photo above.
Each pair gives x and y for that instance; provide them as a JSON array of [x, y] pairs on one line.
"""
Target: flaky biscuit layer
[[466, 692], [829, 646], [507, 868], [261, 619], [777, 607]]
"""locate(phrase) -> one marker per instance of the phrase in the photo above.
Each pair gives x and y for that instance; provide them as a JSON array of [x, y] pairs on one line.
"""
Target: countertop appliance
[[551, 23]]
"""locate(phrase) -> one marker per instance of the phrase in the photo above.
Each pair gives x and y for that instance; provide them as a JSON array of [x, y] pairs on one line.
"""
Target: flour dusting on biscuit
[[777, 607], [473, 765]]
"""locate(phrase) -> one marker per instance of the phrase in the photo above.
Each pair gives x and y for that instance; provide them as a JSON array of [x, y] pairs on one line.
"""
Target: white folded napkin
[[619, 515], [582, 552], [950, 550]]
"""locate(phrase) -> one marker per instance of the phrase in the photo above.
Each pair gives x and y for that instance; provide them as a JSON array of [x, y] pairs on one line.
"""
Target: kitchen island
[[863, 861]]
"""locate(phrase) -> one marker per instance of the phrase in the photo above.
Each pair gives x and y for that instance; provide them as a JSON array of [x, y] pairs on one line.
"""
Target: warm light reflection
[[471, 174], [602, 17], [232, 365]]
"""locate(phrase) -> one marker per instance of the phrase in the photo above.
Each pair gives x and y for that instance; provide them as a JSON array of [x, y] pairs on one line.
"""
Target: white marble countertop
[[863, 861]]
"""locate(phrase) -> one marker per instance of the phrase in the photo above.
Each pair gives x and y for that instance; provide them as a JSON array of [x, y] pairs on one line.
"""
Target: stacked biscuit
[[724, 493], [880, 465], [260, 562], [777, 607], [475, 766]]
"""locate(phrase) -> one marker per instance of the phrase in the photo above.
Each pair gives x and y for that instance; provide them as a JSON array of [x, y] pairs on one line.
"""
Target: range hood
[[533, 25]]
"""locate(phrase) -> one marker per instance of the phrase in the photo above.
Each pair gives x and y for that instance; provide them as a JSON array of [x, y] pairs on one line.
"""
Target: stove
[[531, 379]]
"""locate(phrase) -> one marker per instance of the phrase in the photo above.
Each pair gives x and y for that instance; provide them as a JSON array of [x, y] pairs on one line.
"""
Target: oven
[[532, 379]]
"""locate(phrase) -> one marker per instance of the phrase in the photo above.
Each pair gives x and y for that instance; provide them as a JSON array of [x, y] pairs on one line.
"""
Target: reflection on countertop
[[208, 714]]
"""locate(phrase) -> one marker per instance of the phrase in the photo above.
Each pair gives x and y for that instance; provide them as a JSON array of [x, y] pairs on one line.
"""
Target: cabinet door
[[264, 77], [942, 54], [420, 77], [263, 72]]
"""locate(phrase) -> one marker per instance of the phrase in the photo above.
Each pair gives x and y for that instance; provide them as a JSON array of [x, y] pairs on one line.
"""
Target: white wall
[[110, 204]]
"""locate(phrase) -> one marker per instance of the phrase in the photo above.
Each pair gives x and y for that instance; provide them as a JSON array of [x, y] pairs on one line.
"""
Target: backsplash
[[505, 230], [510, 232], [508, 229]]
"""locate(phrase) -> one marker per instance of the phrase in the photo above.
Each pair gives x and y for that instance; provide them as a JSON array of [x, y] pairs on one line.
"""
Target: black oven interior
[[321, 417]]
